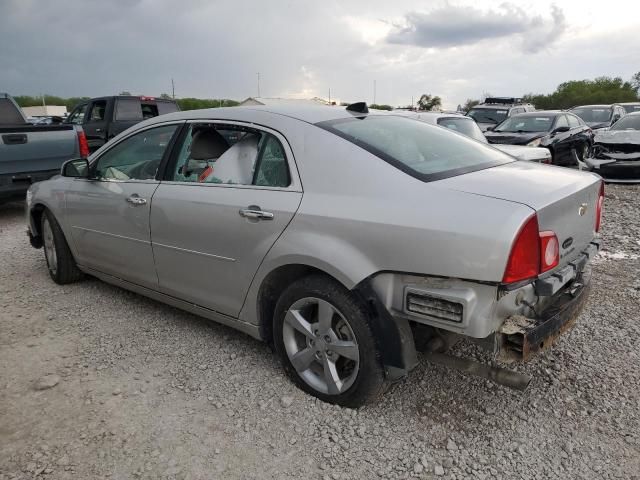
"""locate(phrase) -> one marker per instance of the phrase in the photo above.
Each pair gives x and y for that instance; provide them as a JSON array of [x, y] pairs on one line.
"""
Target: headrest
[[208, 143]]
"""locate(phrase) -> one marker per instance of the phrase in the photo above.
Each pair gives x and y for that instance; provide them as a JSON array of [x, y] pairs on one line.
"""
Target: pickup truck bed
[[31, 153]]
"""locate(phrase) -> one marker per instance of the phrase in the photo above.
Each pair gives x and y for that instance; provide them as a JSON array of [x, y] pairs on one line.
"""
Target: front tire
[[325, 342], [60, 262]]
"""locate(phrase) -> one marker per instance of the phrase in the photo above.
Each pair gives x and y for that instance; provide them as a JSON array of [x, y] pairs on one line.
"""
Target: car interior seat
[[207, 145], [237, 163]]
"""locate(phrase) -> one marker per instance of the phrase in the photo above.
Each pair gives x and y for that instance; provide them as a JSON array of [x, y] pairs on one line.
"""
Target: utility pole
[[173, 89], [258, 84], [329, 96], [374, 92]]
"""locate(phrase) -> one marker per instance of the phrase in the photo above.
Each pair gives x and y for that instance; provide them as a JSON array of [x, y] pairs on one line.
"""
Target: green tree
[[585, 92], [428, 102], [377, 106], [469, 104], [635, 82]]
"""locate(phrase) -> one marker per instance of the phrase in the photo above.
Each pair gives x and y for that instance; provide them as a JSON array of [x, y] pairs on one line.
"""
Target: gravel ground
[[96, 382]]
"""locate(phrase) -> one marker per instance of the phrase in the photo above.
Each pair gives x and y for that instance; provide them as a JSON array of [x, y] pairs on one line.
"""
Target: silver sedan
[[347, 239]]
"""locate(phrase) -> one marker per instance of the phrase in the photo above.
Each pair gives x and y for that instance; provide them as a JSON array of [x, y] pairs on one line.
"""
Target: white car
[[467, 126]]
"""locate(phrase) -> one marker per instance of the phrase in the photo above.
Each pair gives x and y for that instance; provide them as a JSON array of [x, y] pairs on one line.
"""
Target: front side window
[[573, 121], [232, 155], [562, 121], [488, 115], [77, 116], [465, 126], [420, 150], [526, 123], [137, 157], [98, 110]]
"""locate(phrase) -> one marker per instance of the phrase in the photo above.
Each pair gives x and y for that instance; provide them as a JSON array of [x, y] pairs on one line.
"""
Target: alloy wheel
[[49, 246], [321, 345]]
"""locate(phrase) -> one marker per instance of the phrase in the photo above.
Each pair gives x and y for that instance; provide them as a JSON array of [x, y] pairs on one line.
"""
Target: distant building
[[284, 101], [45, 111]]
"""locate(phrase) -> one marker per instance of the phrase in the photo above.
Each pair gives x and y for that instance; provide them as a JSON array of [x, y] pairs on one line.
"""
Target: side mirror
[[75, 168], [561, 129], [490, 129]]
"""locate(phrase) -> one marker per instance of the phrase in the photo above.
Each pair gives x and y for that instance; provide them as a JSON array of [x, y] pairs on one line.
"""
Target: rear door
[[229, 193], [562, 142], [109, 214]]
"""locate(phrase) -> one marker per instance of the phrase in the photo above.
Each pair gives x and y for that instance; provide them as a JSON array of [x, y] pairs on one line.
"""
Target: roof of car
[[609, 105], [304, 113], [539, 113]]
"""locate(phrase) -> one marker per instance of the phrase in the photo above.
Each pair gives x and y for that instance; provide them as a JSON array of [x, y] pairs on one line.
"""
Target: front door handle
[[254, 212], [136, 200]]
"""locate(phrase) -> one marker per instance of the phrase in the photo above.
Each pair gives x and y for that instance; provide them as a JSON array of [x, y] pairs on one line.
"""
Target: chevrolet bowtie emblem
[[583, 209]]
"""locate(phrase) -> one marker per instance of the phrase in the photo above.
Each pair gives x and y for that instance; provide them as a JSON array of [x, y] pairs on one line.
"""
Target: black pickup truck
[[105, 117]]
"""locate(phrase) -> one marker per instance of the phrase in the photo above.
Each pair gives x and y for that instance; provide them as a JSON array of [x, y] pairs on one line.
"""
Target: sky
[[456, 49]]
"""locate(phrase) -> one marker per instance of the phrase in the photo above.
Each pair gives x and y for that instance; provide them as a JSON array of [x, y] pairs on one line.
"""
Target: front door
[[230, 192], [109, 215]]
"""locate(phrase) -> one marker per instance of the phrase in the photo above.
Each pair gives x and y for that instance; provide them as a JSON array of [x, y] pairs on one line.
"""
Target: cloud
[[457, 25]]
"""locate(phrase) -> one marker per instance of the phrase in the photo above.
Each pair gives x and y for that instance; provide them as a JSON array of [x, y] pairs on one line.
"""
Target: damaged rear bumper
[[522, 337]]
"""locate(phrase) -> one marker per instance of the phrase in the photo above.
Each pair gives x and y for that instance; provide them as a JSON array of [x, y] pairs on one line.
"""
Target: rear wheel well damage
[[393, 335], [35, 235]]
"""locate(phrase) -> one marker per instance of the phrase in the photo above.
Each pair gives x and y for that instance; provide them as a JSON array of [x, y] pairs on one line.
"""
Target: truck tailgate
[[34, 148]]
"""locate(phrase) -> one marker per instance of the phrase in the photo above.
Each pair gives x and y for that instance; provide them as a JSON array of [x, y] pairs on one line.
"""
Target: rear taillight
[[549, 251], [82, 144], [532, 253], [599, 204], [524, 259]]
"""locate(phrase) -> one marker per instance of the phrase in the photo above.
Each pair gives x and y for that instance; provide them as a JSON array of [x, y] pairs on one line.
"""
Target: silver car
[[342, 237]]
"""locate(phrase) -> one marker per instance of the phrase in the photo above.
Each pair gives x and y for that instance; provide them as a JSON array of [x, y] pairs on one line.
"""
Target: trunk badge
[[583, 209], [567, 243]]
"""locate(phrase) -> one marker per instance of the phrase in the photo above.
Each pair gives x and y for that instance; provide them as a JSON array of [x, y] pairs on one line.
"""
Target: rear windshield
[[488, 115], [465, 126], [423, 151], [593, 114], [9, 114], [628, 122], [529, 123]]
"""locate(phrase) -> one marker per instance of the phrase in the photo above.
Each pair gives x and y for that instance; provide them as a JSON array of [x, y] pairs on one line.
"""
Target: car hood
[[513, 138], [521, 152], [628, 137]]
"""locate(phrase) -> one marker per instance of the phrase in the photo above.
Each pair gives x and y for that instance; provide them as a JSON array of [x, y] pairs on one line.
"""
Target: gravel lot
[[147, 391]]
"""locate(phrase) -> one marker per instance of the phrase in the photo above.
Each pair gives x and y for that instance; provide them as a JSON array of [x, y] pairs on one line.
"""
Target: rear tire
[[60, 262], [324, 330]]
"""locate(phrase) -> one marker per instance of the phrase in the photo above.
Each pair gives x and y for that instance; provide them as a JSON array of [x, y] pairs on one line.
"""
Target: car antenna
[[358, 107]]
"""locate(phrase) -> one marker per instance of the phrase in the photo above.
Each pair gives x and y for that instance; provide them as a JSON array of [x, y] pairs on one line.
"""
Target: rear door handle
[[135, 199], [254, 212], [14, 139]]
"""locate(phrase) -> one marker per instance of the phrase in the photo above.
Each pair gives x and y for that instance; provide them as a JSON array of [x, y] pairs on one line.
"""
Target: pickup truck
[[105, 117], [31, 153]]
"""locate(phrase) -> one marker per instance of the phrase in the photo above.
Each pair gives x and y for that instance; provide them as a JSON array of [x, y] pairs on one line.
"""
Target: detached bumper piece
[[522, 337]]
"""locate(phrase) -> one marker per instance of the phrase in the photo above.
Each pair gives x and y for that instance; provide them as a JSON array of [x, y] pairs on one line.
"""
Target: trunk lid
[[564, 199]]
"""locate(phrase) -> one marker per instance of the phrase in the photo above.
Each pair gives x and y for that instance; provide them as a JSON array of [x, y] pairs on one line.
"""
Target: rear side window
[[166, 107], [420, 150], [128, 109], [9, 114]]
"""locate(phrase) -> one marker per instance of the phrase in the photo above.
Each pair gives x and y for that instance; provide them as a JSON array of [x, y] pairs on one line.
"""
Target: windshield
[[634, 107], [628, 122], [593, 114], [529, 123], [488, 115], [465, 126], [423, 151]]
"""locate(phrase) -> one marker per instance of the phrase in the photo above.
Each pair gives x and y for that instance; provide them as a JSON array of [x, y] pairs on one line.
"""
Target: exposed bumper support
[[521, 337]]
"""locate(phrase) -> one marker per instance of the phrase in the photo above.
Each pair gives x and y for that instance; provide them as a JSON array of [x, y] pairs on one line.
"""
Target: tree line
[[71, 102]]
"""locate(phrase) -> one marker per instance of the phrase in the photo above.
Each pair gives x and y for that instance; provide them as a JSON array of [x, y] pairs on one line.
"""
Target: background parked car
[[565, 135], [105, 117], [496, 109], [631, 107], [599, 116], [616, 152], [467, 126], [30, 153]]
